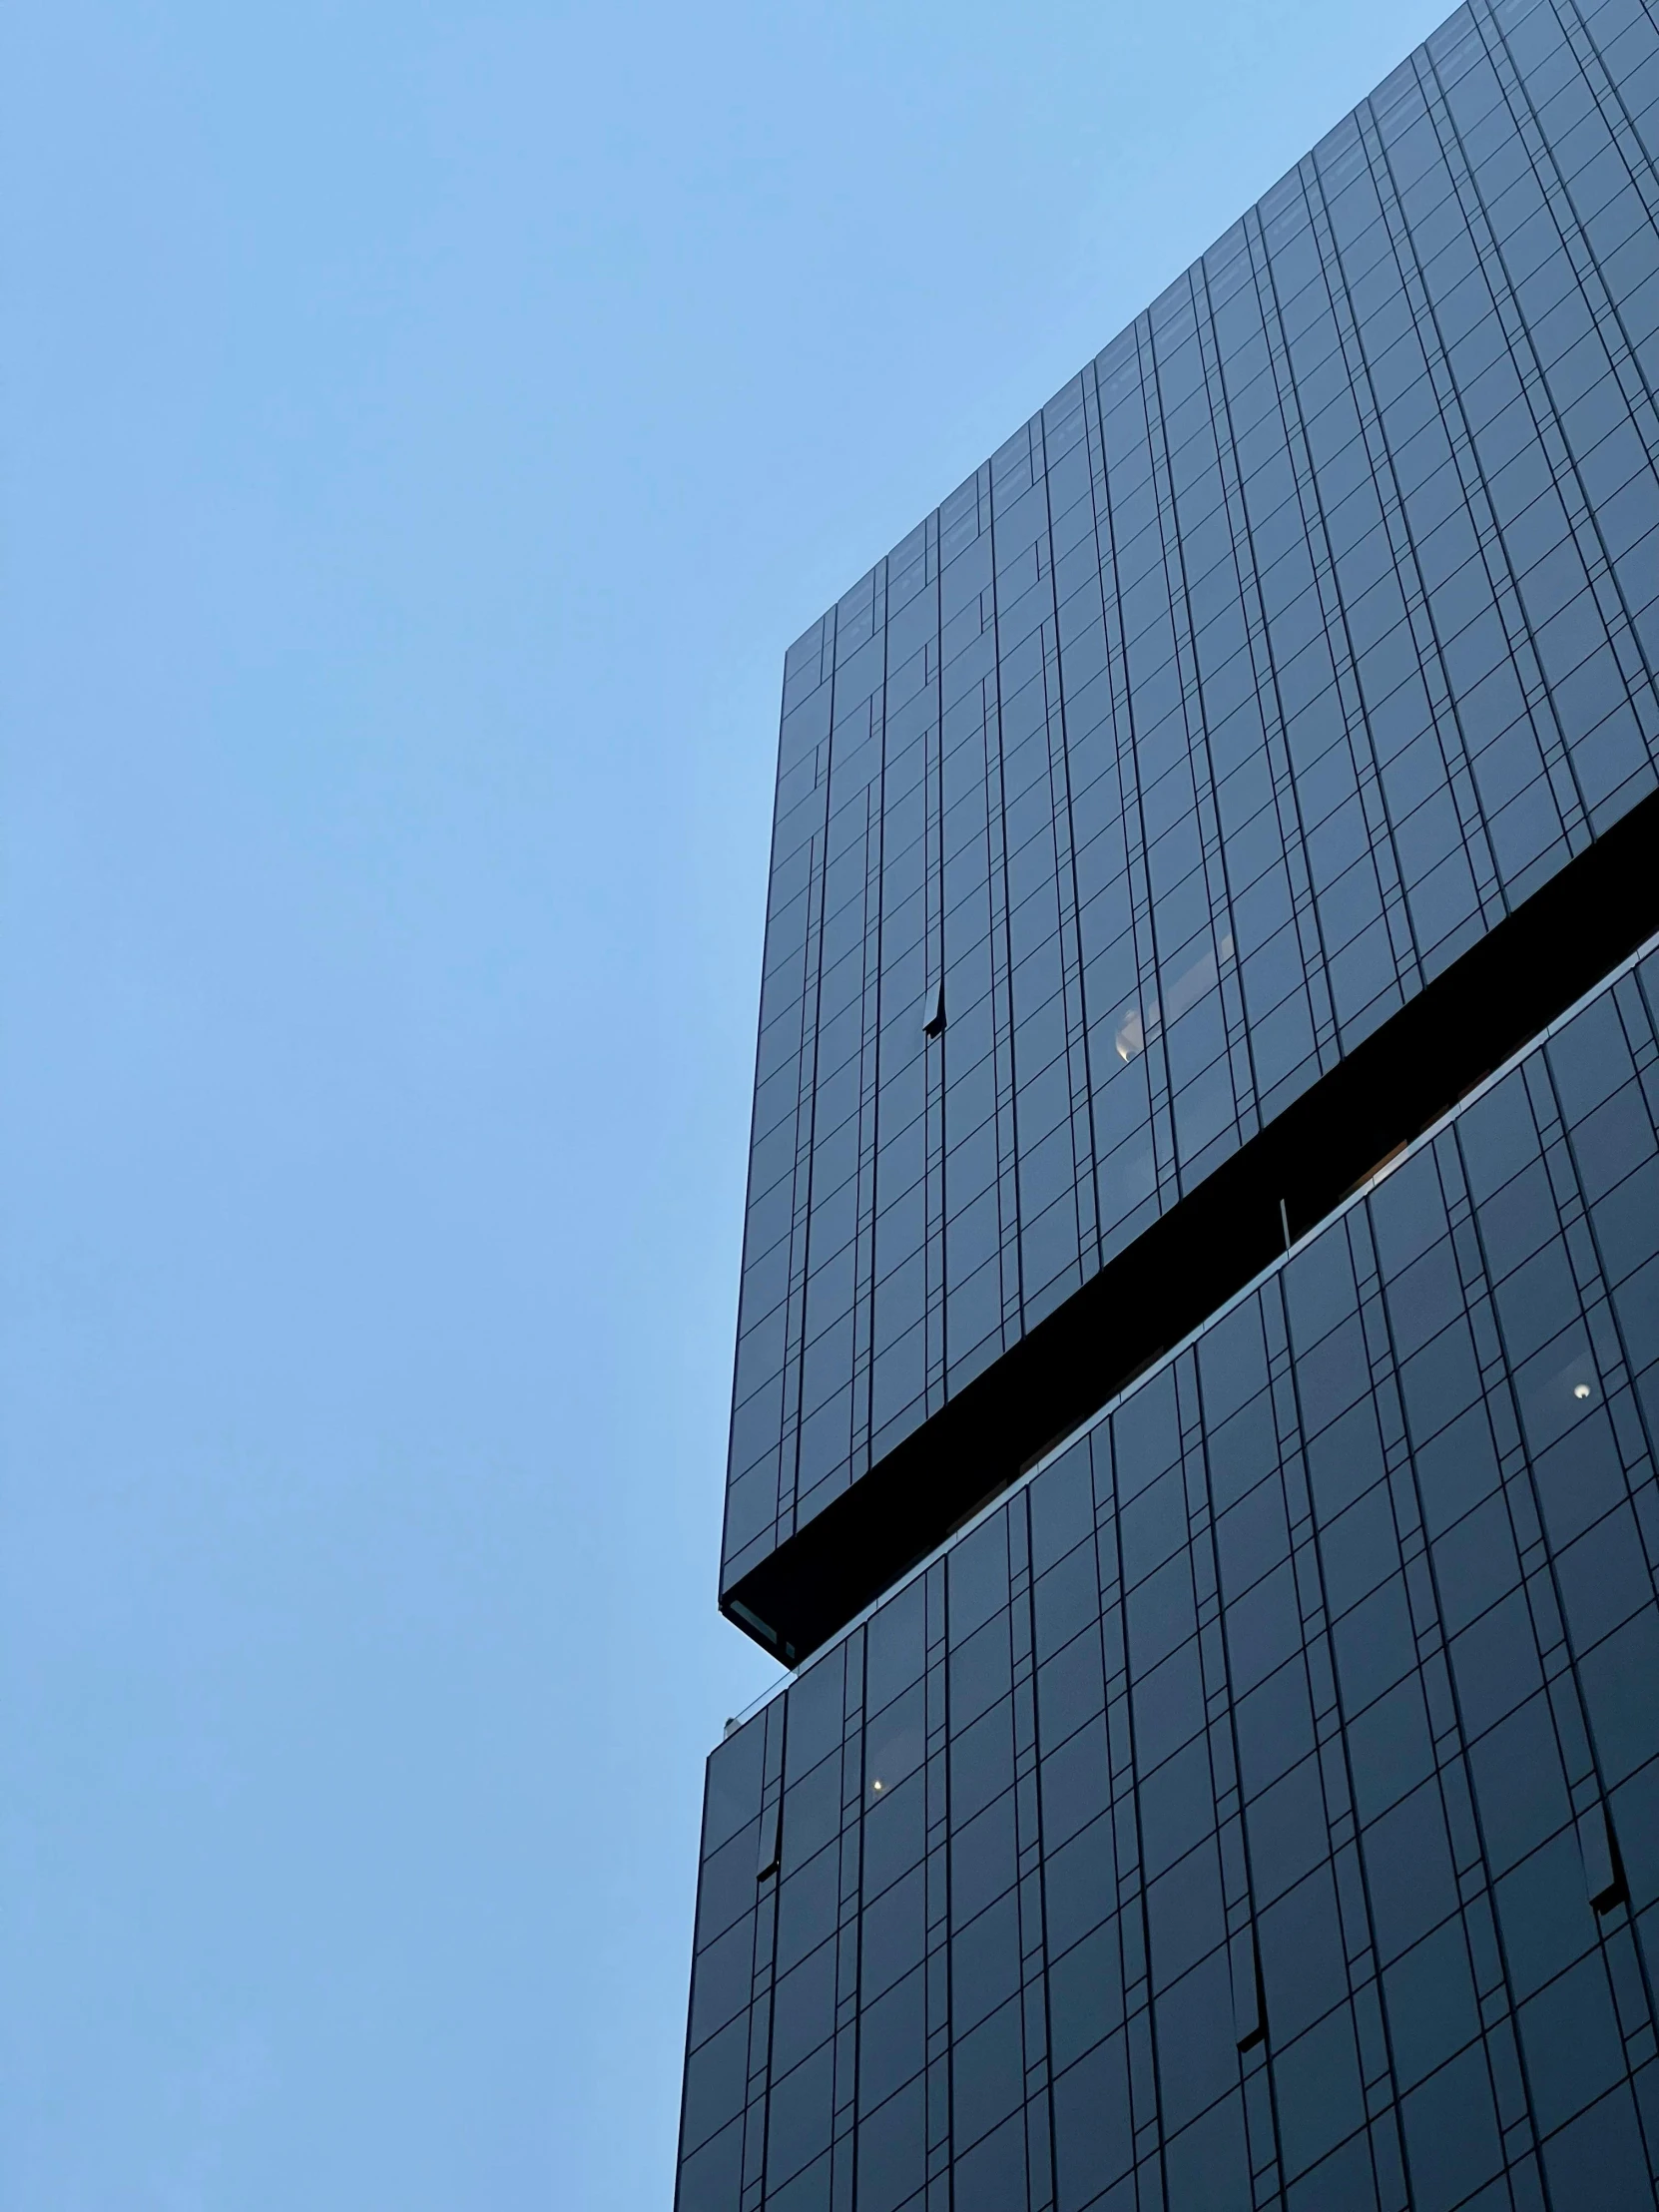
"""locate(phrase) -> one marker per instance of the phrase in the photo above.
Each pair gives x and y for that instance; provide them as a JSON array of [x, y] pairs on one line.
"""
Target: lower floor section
[[1258, 1806]]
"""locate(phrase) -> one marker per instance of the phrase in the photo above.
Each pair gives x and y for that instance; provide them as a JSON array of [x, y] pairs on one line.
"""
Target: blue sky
[[426, 425]]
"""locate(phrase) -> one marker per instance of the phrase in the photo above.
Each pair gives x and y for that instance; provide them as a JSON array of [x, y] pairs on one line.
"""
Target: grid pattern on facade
[[1261, 1806], [1300, 638]]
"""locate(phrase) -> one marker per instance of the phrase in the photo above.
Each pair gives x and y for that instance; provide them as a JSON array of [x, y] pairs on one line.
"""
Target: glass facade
[[1197, 1392], [1268, 668], [1260, 1805]]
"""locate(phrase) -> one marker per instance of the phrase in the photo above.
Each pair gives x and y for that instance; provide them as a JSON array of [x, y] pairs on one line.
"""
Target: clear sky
[[426, 424]]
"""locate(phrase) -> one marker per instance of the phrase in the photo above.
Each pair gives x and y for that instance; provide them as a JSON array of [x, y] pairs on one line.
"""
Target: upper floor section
[[1259, 683]]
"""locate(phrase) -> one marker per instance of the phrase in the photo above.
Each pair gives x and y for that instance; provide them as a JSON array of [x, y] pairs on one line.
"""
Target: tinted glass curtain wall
[[1197, 1371]]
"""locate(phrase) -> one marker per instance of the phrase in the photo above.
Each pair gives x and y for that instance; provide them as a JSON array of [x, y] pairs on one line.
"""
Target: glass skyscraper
[[1198, 1376]]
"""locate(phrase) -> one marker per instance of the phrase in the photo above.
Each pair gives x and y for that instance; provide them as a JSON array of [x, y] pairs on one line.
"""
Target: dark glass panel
[[978, 1577], [1093, 2144], [814, 1713], [1571, 2043], [1408, 1215], [1079, 1885], [1346, 1461], [1636, 1823], [1456, 1470], [733, 1790], [1242, 1452], [1275, 1726], [716, 2075], [1358, 1550], [1475, 1564], [1408, 1872], [798, 2115], [710, 2180], [1085, 1996], [980, 1671], [895, 1825], [1152, 1527], [1496, 1664], [988, 2073], [895, 1647], [1161, 1613], [992, 2176], [1145, 1436], [1231, 1362], [1579, 1480], [1621, 1689], [1440, 1382], [811, 1814], [1062, 1507], [892, 1935], [1300, 1943], [1287, 1832], [1344, 2182], [1317, 2089], [1071, 1689], [1544, 1915], [1518, 1788], [1207, 2163], [721, 1979], [807, 2192], [1375, 1645], [1430, 1993], [984, 1858], [727, 1886], [892, 2040], [1196, 2057], [803, 2009], [1067, 1599], [894, 1744], [1075, 1785], [1318, 1290], [1451, 2140], [1168, 1707], [1599, 2160], [1603, 1579], [1335, 1373], [1185, 1918], [985, 1964], [807, 1907], [1177, 1806], [1251, 1537], [892, 2151]]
